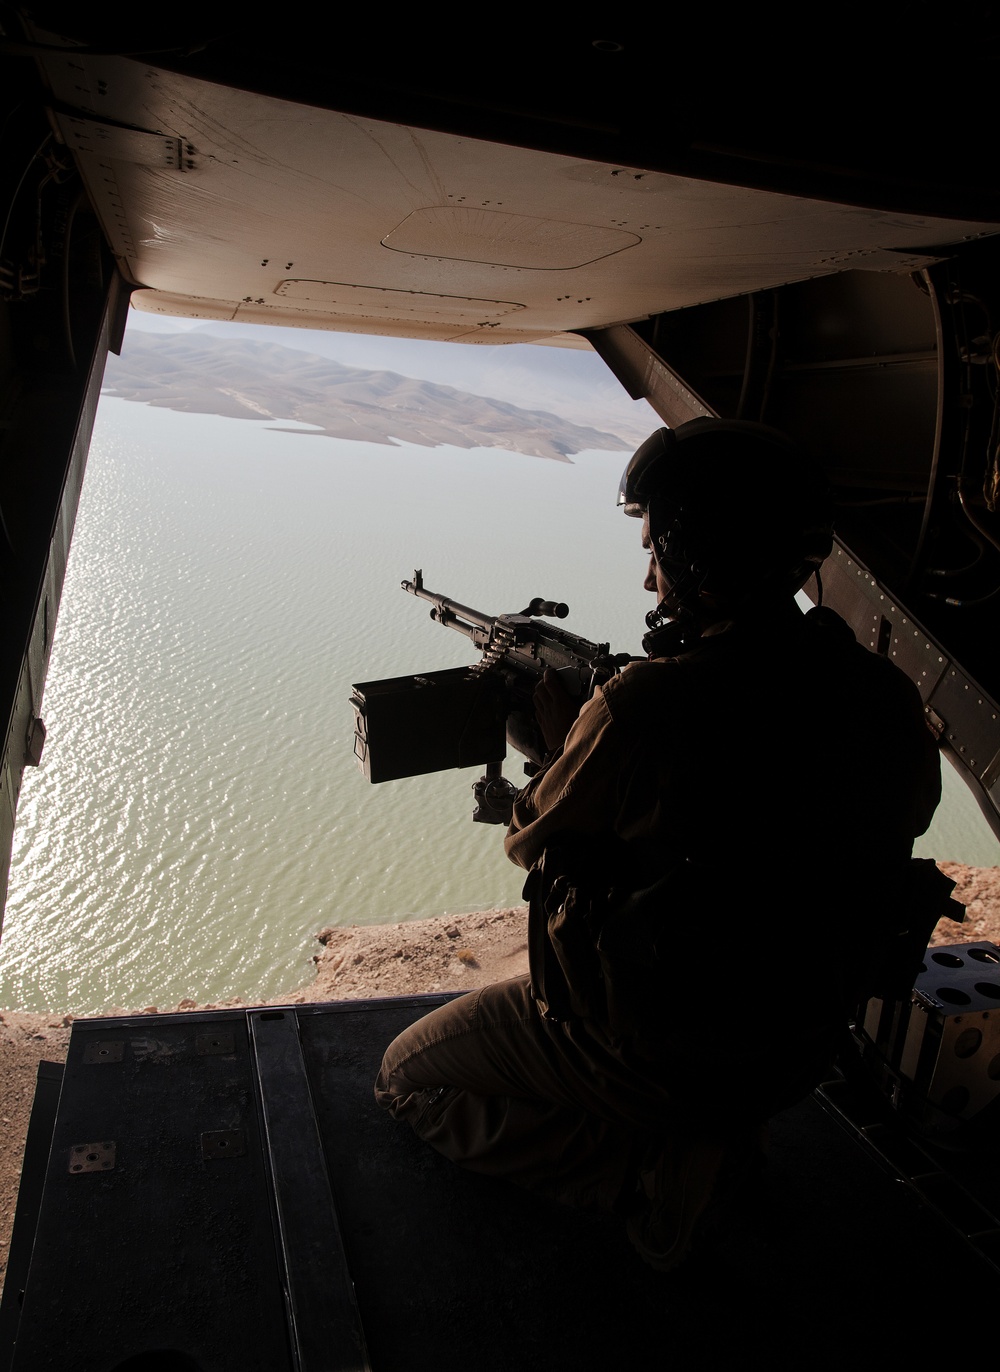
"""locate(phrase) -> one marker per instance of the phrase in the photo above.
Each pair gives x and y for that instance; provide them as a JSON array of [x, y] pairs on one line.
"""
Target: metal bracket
[[92, 1157], [162, 152]]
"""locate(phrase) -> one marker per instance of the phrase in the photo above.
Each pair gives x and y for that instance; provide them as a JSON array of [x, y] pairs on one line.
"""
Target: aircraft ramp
[[215, 1191]]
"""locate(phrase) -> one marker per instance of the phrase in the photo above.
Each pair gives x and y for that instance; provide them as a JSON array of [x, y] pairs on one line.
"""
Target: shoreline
[[355, 962]]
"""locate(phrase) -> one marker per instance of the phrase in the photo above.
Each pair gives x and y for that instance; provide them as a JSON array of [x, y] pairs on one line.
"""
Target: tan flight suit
[[768, 786]]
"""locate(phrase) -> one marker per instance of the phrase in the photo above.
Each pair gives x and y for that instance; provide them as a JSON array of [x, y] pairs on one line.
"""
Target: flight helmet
[[735, 509]]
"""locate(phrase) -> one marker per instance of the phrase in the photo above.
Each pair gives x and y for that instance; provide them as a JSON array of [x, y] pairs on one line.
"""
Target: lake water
[[198, 814]]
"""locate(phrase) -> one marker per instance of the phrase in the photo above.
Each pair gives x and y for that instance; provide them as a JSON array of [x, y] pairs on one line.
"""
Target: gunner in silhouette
[[718, 848]]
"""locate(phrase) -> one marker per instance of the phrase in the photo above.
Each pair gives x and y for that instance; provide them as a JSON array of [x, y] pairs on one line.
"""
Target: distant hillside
[[564, 381], [253, 380]]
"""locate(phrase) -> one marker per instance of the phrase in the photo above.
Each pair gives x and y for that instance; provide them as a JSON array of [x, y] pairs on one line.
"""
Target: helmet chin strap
[[678, 623], [675, 624], [667, 609], [672, 628]]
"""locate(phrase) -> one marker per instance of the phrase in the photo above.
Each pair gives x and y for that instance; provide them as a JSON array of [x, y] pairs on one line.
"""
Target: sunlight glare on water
[[198, 814]]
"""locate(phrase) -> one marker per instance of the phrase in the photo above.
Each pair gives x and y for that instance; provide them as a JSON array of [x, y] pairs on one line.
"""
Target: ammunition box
[[407, 725]]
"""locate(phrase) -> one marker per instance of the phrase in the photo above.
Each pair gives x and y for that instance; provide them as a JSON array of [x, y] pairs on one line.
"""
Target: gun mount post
[[494, 796]]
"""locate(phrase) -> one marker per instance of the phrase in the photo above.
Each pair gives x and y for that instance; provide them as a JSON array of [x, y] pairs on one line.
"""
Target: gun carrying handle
[[554, 609]]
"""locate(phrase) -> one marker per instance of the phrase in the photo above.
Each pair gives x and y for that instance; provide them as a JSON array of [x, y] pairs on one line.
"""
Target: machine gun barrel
[[463, 618]]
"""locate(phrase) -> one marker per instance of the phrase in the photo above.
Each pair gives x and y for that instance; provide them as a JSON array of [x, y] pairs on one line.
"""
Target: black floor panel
[[828, 1262], [208, 1244]]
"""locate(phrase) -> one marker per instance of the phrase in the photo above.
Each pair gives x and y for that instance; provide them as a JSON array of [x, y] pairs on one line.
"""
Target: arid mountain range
[[244, 379]]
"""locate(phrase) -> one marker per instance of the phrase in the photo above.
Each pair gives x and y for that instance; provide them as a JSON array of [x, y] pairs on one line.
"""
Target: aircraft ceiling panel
[[223, 203]]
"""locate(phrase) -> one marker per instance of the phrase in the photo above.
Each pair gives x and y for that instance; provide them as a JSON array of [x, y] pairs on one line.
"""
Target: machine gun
[[406, 726]]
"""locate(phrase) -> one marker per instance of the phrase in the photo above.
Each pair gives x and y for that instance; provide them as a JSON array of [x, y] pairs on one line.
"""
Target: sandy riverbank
[[447, 953]]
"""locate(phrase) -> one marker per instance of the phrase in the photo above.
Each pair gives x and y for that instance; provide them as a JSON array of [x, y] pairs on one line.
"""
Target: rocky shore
[[353, 962]]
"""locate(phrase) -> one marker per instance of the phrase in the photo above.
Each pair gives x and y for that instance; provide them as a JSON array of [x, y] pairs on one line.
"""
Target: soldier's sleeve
[[578, 791]]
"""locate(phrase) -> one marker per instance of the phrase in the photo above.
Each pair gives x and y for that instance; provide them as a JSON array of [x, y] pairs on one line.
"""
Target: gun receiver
[[406, 726]]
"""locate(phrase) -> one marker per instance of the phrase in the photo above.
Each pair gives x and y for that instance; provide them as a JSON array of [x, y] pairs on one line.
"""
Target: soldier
[[716, 849]]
